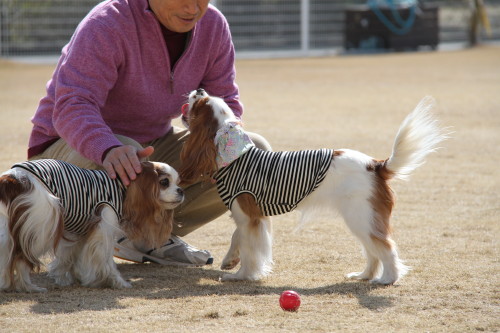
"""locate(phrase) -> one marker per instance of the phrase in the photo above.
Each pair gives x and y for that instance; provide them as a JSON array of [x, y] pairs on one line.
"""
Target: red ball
[[290, 300]]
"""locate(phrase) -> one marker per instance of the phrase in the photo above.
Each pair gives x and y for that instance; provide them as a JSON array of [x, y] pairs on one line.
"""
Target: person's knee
[[260, 141], [125, 140]]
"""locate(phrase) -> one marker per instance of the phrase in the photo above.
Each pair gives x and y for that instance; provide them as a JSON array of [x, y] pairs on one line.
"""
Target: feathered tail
[[418, 136]]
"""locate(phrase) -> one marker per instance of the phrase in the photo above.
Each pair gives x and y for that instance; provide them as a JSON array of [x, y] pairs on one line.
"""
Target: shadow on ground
[[160, 282]]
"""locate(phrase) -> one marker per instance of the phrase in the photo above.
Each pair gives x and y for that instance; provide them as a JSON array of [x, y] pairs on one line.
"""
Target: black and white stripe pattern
[[277, 180], [80, 191]]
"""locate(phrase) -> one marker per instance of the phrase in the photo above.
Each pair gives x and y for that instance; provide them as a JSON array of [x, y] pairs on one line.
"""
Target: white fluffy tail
[[418, 136]]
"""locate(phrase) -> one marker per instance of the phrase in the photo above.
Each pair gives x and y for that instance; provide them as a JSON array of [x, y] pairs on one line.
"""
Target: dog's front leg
[[60, 269], [232, 258], [95, 266], [5, 251], [253, 234]]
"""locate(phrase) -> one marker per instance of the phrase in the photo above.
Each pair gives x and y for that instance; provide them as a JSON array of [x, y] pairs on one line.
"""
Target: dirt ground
[[446, 218]]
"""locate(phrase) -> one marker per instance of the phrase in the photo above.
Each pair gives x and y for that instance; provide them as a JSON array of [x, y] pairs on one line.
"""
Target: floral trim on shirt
[[232, 142]]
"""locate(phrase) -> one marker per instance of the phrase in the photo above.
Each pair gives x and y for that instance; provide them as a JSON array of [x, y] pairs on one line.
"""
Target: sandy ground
[[446, 219]]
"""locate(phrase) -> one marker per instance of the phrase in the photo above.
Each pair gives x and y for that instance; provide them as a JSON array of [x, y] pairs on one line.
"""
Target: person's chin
[[185, 25]]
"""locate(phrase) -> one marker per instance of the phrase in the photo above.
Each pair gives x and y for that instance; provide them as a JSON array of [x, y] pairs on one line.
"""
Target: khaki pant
[[202, 203]]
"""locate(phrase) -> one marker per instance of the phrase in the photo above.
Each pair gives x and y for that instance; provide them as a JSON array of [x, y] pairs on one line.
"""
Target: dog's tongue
[[185, 109]]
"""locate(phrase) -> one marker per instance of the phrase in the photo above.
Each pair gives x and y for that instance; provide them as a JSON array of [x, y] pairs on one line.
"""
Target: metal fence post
[[1, 27], [304, 25]]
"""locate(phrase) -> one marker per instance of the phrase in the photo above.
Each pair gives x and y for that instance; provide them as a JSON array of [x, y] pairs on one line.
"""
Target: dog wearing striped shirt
[[257, 184], [53, 207]]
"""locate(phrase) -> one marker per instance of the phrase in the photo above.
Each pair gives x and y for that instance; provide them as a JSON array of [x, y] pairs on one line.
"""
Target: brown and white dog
[[354, 184], [53, 207]]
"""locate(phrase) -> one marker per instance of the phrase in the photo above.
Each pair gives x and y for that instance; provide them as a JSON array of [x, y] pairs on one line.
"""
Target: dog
[[55, 208], [344, 180]]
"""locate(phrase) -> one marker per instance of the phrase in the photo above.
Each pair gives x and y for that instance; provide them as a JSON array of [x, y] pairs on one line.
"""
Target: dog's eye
[[165, 182]]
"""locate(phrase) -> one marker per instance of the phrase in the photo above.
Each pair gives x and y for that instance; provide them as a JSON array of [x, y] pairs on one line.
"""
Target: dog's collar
[[232, 142]]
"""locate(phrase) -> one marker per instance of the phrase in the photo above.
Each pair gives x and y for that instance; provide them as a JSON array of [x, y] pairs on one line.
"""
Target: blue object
[[404, 25]]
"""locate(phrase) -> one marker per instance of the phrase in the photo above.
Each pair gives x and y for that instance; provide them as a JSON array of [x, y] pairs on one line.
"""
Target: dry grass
[[446, 219]]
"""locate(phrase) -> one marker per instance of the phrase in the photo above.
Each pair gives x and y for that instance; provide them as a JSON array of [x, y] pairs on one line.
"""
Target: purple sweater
[[115, 77]]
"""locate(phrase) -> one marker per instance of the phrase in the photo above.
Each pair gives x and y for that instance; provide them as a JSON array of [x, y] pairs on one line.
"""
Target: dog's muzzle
[[200, 92]]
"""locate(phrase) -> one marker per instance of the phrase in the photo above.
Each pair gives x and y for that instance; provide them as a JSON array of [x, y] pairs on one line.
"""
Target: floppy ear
[[145, 220], [199, 151]]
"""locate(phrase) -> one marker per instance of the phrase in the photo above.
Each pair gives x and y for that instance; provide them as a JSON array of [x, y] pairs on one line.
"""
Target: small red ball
[[290, 300]]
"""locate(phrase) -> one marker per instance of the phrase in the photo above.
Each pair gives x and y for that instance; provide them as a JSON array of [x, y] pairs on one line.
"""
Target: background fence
[[259, 27]]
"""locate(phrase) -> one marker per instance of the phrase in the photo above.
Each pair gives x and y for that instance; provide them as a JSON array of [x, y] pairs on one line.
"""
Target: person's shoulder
[[214, 15], [112, 10], [114, 16], [213, 23]]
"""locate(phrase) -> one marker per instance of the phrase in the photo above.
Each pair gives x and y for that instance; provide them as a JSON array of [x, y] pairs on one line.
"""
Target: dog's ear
[[199, 151], [144, 219]]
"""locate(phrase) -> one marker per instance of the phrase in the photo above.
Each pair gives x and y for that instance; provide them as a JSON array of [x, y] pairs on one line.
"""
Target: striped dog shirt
[[80, 191], [277, 180]]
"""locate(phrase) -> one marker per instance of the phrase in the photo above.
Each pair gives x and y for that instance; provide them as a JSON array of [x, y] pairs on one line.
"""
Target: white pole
[[304, 25]]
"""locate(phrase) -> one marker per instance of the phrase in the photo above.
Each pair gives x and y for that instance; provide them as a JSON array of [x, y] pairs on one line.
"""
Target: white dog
[[256, 184], [53, 207]]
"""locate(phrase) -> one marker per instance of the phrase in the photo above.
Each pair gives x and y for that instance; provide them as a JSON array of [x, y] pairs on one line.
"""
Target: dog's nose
[[180, 191], [200, 92]]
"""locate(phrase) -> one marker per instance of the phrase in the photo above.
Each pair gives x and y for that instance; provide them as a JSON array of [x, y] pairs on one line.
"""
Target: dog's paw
[[126, 285], [4, 284], [31, 288], [229, 278], [120, 283], [238, 276], [227, 265], [63, 280], [235, 277], [358, 276], [383, 282]]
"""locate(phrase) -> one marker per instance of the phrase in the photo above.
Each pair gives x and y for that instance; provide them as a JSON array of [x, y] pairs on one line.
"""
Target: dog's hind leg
[[358, 215], [253, 233], [371, 269], [22, 280], [393, 267], [378, 246]]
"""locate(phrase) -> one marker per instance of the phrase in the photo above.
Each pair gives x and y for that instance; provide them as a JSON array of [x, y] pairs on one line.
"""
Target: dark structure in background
[[391, 28]]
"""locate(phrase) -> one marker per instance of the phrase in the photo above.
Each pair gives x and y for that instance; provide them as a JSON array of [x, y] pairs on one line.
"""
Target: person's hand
[[125, 162]]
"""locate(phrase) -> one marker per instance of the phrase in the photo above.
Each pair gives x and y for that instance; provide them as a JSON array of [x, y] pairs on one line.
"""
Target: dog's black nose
[[200, 91]]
